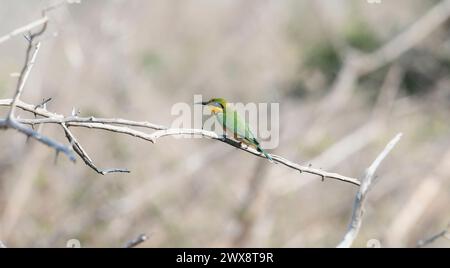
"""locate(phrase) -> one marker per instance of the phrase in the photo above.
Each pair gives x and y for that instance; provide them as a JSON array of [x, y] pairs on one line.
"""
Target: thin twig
[[442, 234], [38, 22], [11, 121], [83, 154], [28, 65], [136, 241], [24, 29], [58, 118], [43, 103], [41, 138], [366, 182]]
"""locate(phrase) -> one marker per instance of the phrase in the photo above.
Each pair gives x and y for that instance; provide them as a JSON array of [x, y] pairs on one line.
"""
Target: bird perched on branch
[[234, 124]]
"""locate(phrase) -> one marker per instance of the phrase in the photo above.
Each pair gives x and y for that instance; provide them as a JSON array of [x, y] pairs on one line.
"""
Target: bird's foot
[[243, 145]]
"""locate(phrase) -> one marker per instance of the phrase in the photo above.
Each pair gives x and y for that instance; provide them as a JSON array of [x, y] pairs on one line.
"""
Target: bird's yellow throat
[[216, 110]]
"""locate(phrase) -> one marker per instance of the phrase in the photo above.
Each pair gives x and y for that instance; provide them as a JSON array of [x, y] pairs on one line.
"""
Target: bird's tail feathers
[[261, 150]]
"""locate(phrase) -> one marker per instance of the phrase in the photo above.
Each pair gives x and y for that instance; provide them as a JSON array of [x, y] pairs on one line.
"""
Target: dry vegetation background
[[135, 59]]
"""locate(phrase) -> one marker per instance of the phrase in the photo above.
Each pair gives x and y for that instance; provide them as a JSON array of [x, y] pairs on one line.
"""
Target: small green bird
[[233, 123]]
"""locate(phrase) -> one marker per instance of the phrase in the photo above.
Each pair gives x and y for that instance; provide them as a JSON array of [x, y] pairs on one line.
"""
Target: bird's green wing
[[233, 122]]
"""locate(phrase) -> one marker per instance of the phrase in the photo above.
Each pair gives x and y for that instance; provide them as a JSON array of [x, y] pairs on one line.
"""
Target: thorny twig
[[11, 121], [83, 154], [123, 126], [26, 69], [30, 58]]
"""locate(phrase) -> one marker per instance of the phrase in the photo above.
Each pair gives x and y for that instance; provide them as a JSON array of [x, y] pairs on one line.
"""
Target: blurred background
[[135, 59]]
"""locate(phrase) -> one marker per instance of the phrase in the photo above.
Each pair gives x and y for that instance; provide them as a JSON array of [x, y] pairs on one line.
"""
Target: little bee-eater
[[233, 123]]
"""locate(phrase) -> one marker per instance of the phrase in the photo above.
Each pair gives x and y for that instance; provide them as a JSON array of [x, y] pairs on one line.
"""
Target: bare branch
[[10, 121], [24, 75], [24, 29], [58, 118], [83, 154], [442, 234], [121, 126], [136, 241], [30, 58], [366, 182], [42, 21], [36, 135]]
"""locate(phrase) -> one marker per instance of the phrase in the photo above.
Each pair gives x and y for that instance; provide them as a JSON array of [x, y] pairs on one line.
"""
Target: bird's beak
[[202, 103]]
